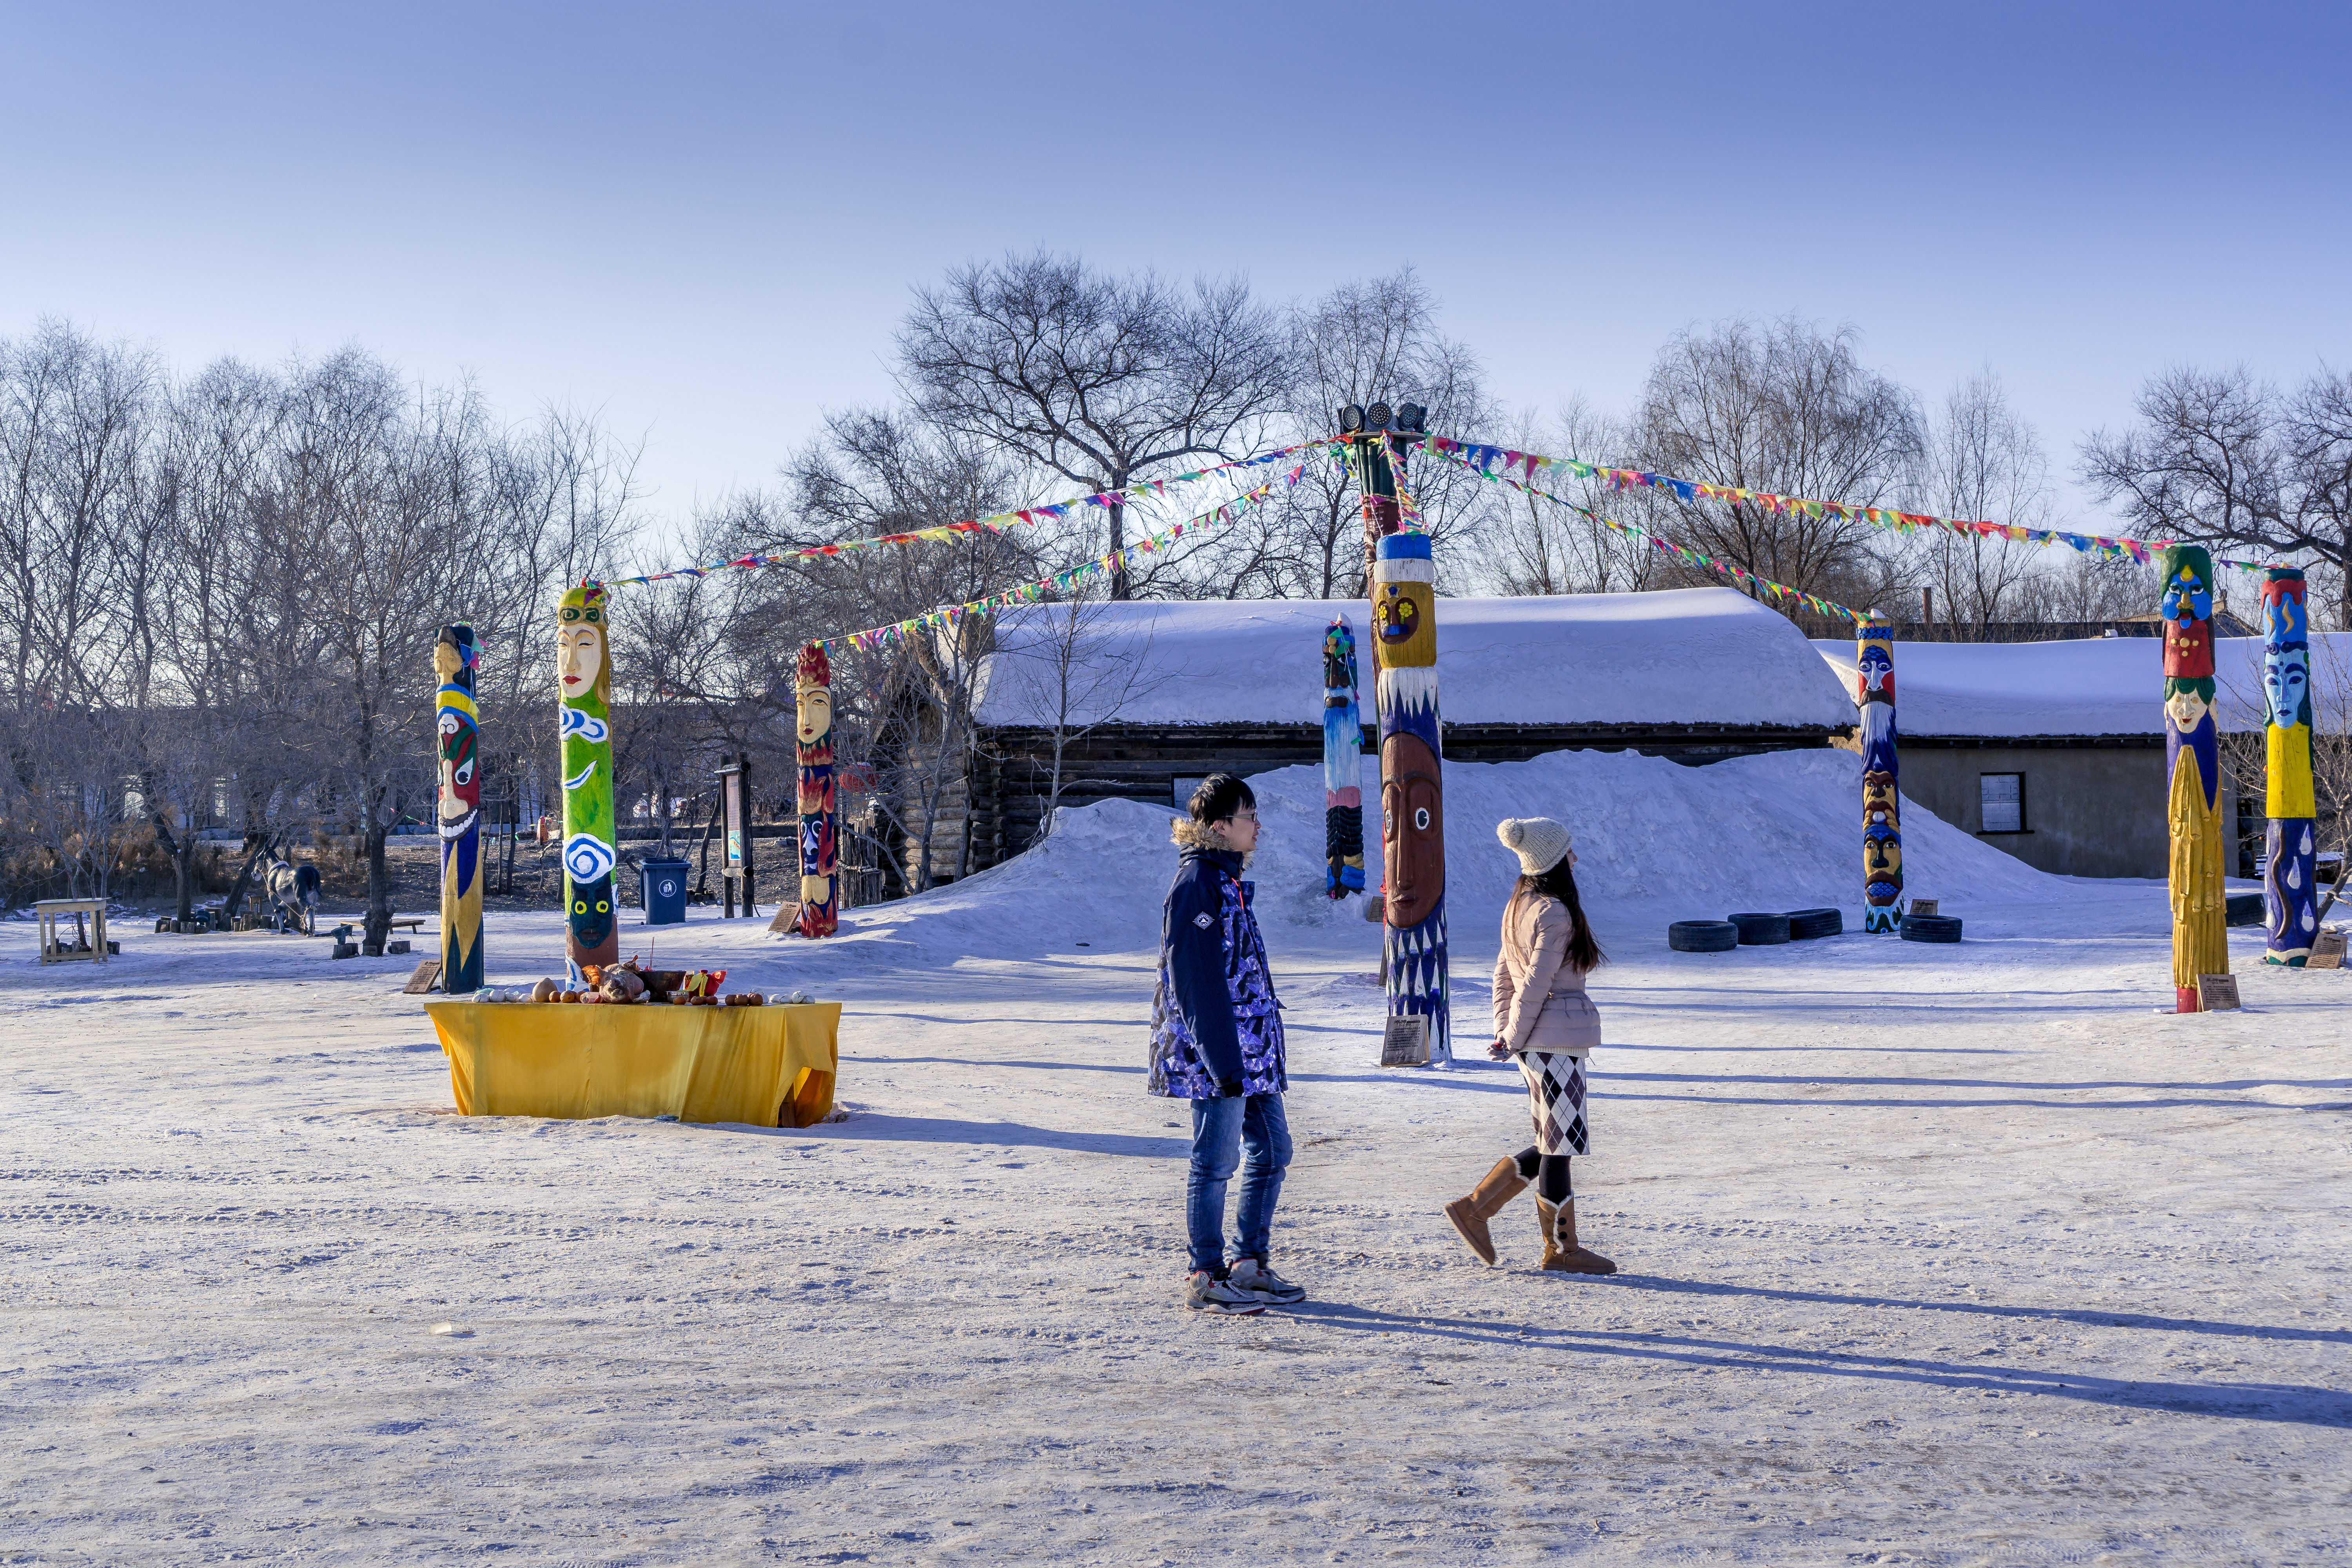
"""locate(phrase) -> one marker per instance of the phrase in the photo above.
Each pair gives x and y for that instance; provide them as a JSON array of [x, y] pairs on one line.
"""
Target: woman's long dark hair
[[1559, 882]]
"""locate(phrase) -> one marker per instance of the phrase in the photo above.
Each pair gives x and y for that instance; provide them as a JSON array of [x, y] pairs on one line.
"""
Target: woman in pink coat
[[1542, 1018]]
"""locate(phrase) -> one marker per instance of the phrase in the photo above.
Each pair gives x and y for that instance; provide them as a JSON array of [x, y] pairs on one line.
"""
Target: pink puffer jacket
[[1540, 1000]]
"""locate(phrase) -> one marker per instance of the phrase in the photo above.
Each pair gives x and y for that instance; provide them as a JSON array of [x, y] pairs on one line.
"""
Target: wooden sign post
[[2326, 950], [735, 815]]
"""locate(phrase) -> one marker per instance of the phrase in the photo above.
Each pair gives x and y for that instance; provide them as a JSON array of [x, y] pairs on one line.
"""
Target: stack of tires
[[1755, 929]]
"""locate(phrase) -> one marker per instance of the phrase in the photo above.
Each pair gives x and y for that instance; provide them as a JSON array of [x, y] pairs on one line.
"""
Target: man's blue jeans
[[1221, 1130]]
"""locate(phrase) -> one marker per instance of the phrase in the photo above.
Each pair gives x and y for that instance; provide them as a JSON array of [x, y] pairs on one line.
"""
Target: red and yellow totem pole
[[820, 893], [2192, 765]]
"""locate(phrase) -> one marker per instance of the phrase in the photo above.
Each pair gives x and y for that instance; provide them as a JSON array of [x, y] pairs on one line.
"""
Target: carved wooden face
[[579, 658], [1412, 829], [816, 713], [1402, 621]]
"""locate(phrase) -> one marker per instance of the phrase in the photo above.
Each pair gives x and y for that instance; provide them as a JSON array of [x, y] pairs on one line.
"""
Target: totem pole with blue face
[[2289, 891], [1343, 769], [1412, 814], [583, 667], [455, 660], [2192, 764], [1882, 812]]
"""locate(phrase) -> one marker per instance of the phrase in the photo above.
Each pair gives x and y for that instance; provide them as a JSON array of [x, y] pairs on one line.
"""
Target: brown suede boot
[[1561, 1254], [1470, 1214]]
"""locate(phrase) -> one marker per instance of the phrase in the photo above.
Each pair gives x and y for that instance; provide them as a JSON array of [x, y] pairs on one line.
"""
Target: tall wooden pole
[[584, 681], [2192, 765], [1881, 808], [820, 888], [1413, 805], [459, 726], [1343, 763], [2290, 893]]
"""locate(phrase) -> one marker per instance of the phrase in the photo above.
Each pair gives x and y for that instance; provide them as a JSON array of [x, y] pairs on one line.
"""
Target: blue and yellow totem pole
[[1343, 767], [1882, 810], [2192, 765], [1412, 814], [454, 659], [583, 666], [2291, 839]]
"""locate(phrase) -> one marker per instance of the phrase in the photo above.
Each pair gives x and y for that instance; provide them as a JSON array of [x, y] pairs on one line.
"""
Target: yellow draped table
[[770, 1066]]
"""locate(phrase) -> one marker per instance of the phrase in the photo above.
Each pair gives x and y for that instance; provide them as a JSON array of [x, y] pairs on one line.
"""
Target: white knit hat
[[1538, 841]]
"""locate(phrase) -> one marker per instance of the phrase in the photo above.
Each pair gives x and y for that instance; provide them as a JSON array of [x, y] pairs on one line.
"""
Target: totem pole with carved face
[[820, 893], [1412, 807], [584, 674], [1882, 812], [1343, 769], [454, 659], [2289, 890], [2192, 765]]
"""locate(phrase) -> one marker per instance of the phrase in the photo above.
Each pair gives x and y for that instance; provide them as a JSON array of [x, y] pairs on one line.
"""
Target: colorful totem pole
[[820, 894], [454, 659], [583, 665], [1343, 766], [2291, 841], [2192, 765], [1412, 812], [1882, 810]]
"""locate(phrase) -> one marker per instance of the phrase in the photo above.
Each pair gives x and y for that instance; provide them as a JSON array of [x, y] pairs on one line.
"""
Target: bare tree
[[1789, 409], [1544, 547], [1100, 380], [1363, 341], [1071, 666], [2219, 458], [1982, 463]]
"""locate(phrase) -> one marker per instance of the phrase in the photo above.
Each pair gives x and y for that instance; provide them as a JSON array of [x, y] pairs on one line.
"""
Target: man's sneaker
[[1248, 1274], [1204, 1292]]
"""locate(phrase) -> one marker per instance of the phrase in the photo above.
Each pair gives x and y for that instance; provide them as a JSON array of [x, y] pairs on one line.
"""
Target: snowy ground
[[1931, 1254]]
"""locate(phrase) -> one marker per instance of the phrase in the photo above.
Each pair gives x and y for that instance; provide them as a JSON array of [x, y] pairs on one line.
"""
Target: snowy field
[[1931, 1254]]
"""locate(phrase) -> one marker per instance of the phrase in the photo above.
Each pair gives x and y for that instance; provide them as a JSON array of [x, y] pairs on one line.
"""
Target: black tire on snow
[[1702, 936], [1806, 925], [1931, 928], [1760, 930]]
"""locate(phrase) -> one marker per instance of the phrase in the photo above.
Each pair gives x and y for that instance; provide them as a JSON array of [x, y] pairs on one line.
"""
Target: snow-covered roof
[[1687, 656], [2099, 686]]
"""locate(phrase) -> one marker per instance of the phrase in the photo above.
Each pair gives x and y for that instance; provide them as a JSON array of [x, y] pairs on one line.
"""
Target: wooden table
[[48, 910]]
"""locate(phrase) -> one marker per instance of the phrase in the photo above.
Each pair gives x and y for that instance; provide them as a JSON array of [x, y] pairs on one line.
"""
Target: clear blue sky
[[704, 220]]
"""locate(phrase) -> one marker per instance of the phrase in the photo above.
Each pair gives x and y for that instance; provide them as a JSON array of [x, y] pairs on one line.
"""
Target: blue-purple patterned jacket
[[1216, 1029]]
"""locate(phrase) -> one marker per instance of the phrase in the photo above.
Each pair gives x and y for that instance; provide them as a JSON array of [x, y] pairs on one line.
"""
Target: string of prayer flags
[[999, 523], [1679, 551], [1483, 458], [1063, 581]]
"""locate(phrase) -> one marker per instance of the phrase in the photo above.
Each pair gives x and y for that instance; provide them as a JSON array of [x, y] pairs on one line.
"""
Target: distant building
[[2055, 751], [1163, 693]]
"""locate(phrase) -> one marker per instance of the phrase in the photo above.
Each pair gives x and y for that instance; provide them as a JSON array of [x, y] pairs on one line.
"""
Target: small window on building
[[2002, 796], [1184, 788]]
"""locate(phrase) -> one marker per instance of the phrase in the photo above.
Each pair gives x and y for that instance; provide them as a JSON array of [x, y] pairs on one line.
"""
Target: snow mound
[[1780, 831]]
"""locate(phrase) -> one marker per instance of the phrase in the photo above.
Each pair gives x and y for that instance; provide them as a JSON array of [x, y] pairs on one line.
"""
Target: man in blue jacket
[[1216, 1040]]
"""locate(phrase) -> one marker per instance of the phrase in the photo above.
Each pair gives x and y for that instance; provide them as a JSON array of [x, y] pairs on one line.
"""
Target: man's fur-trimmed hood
[[1187, 833]]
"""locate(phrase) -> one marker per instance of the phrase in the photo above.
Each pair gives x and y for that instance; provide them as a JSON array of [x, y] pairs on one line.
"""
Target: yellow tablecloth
[[771, 1067]]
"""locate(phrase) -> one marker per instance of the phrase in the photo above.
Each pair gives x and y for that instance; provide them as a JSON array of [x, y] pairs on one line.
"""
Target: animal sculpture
[[293, 895]]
